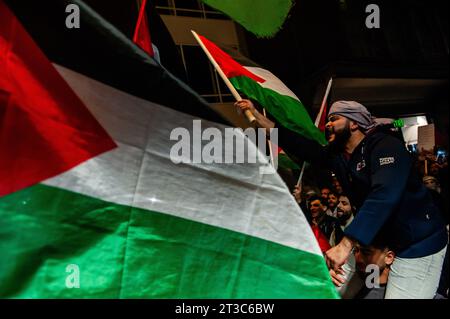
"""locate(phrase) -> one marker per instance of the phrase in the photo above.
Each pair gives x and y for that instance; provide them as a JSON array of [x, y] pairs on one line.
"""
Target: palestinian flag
[[321, 118], [264, 87], [284, 160], [92, 205], [264, 18]]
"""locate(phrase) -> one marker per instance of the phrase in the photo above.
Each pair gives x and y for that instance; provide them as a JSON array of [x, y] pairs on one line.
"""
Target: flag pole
[[324, 102], [270, 145], [299, 181], [316, 123], [230, 86]]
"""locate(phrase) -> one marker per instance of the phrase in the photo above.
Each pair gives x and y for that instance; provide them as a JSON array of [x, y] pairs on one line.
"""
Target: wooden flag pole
[[270, 144], [316, 123], [230, 86], [299, 181], [324, 102]]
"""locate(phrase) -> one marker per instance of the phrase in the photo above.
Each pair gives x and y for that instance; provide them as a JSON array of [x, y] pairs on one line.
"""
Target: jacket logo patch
[[360, 165], [387, 160]]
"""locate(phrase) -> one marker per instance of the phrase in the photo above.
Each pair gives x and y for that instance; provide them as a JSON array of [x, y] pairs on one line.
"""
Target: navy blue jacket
[[392, 204]]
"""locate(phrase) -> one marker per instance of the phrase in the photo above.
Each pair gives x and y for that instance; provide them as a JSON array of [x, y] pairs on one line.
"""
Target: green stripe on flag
[[261, 17], [286, 110], [134, 253], [285, 162]]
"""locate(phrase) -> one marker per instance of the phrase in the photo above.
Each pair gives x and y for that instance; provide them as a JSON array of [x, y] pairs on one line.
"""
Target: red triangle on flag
[[321, 238], [229, 66], [323, 118], [45, 129], [141, 33]]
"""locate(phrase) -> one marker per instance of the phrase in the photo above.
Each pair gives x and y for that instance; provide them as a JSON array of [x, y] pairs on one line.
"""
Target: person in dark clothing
[[375, 171], [324, 192], [298, 196], [337, 186], [344, 215], [433, 186], [319, 217], [332, 202], [322, 225]]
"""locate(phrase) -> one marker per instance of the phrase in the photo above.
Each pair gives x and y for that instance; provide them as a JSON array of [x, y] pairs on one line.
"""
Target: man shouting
[[376, 172]]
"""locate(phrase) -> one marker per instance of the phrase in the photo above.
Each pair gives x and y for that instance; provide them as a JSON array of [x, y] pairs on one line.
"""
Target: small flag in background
[[321, 118], [141, 33], [320, 121], [322, 240], [272, 94], [285, 161]]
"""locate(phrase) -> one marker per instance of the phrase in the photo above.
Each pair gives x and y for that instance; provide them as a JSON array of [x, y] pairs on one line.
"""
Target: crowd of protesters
[[382, 219], [329, 211]]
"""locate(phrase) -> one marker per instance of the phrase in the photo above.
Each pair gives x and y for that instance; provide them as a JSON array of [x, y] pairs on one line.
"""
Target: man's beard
[[340, 138], [343, 218]]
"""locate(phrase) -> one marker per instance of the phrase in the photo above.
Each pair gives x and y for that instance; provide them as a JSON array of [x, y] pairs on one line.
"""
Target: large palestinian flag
[[91, 205]]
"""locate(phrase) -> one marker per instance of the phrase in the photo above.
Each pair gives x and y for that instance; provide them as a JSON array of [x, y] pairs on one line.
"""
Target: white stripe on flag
[[140, 173], [272, 82]]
